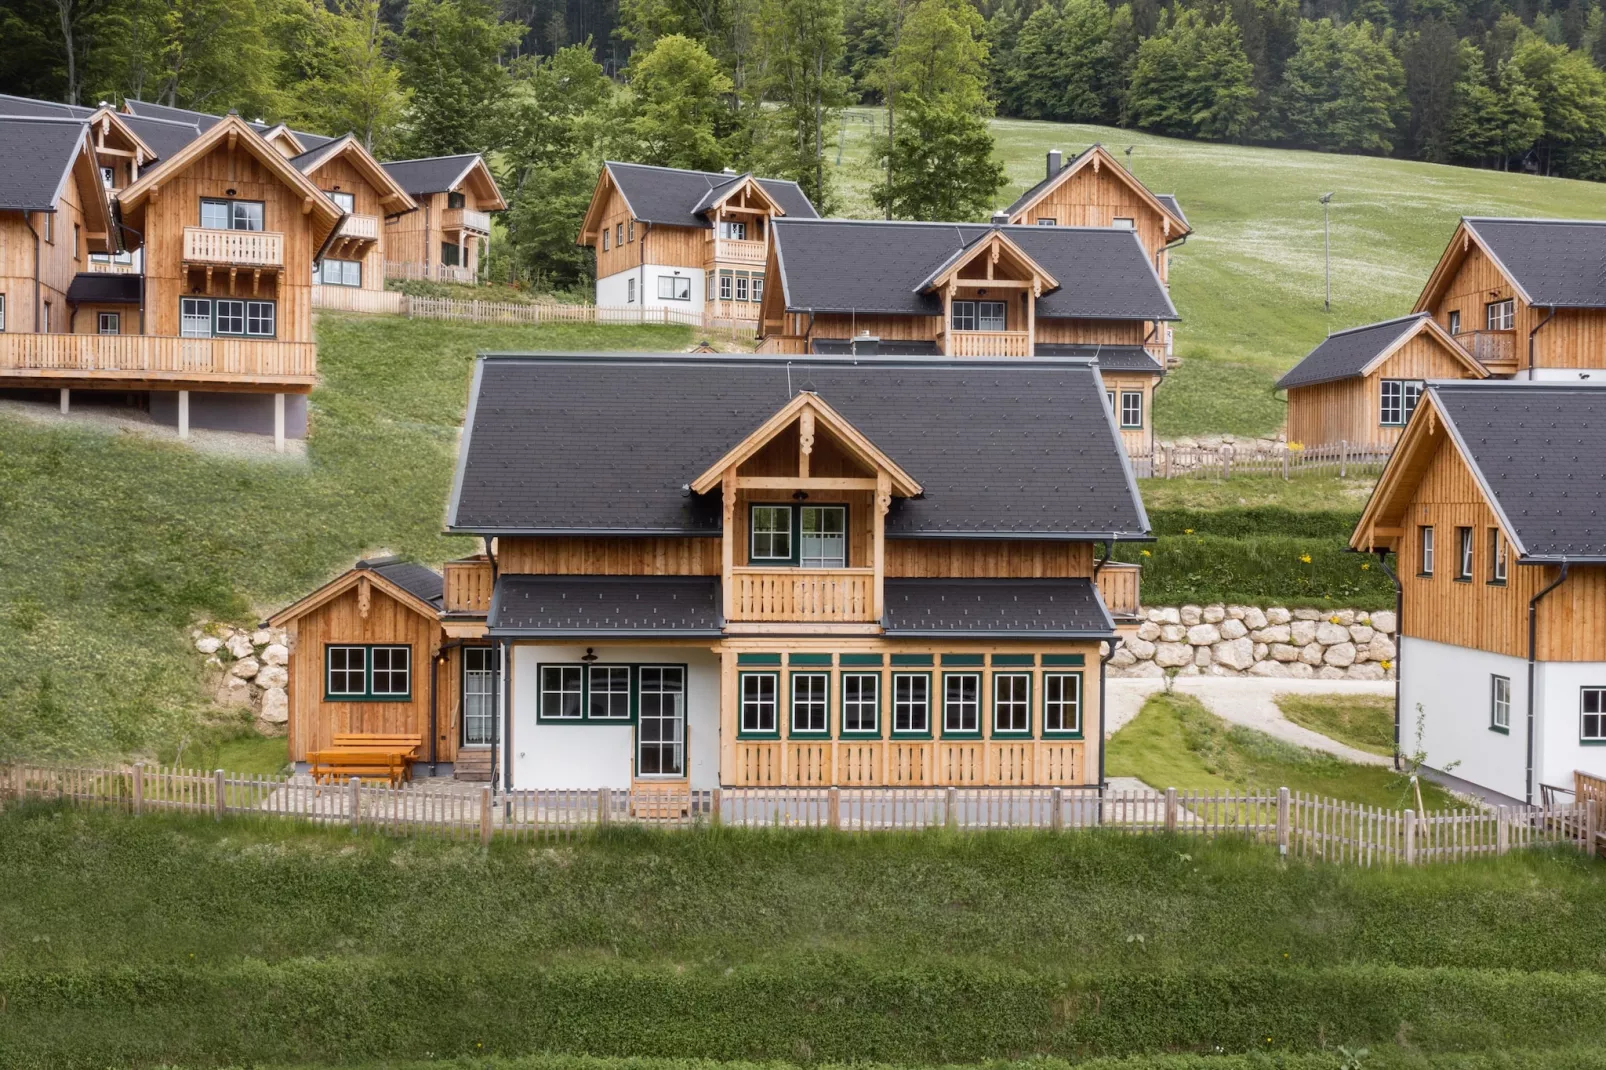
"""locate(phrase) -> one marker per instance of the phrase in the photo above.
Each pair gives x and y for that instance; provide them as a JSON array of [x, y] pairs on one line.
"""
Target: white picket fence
[[1341, 458], [1300, 825]]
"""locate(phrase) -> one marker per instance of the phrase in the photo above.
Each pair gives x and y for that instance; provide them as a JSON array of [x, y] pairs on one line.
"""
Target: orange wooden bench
[[367, 757]]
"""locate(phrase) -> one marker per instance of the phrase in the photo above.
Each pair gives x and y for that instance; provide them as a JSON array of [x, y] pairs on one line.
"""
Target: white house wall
[[591, 755], [1557, 750], [613, 291], [1452, 686], [1566, 375]]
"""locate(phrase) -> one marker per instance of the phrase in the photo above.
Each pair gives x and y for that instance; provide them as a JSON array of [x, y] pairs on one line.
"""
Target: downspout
[[1399, 646], [504, 660], [1533, 643], [1541, 323], [641, 273]]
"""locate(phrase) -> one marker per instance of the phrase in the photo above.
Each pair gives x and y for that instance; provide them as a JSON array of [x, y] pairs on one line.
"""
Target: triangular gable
[[284, 139], [808, 403], [487, 190], [108, 120], [1461, 243], [100, 232], [599, 197], [1098, 158], [720, 194], [346, 581], [992, 244], [1383, 523], [1446, 341], [391, 195]]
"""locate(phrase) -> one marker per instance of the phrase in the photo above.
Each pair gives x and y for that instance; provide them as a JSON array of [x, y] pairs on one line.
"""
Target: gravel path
[[1251, 703]]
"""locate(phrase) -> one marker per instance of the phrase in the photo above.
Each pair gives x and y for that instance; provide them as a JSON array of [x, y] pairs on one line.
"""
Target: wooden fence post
[[714, 806], [356, 802], [485, 816], [1285, 464], [1502, 831], [139, 788], [1171, 809], [1343, 458], [1057, 801], [1410, 837], [1226, 462], [1282, 821], [1591, 825], [950, 816], [218, 803], [604, 802], [833, 807]]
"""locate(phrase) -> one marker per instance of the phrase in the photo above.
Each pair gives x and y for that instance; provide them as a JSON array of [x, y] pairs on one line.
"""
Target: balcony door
[[479, 695], [661, 721]]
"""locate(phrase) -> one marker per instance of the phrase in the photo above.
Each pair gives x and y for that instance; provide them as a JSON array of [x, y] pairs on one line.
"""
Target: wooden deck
[[124, 358], [804, 594]]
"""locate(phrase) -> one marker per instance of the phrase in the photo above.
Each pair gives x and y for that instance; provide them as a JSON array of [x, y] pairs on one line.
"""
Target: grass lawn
[[114, 544], [182, 941], [1363, 721], [1176, 743], [1309, 493], [1248, 282]]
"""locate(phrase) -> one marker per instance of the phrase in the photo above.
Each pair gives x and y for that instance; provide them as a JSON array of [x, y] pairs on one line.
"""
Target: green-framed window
[[561, 692], [355, 672], [759, 696], [911, 704], [1062, 704], [810, 703], [226, 317], [580, 693], [861, 704], [961, 704], [810, 536], [661, 720], [1012, 704], [608, 692]]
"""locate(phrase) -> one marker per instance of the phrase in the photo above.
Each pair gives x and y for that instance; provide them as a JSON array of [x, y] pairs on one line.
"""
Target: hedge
[[824, 1009], [1260, 570]]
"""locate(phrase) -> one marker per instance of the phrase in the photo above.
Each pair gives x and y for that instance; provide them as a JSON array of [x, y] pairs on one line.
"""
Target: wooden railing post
[[950, 807], [833, 807], [604, 803], [1591, 825], [218, 803], [1057, 801], [139, 788], [485, 816], [1171, 809], [355, 790], [1282, 821], [1285, 463], [1410, 837], [1343, 457]]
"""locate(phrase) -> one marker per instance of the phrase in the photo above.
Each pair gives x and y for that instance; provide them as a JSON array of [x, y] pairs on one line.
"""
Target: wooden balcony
[[733, 251], [1118, 586], [468, 585], [989, 343], [1495, 350], [825, 595], [234, 248], [136, 357], [360, 228], [466, 219]]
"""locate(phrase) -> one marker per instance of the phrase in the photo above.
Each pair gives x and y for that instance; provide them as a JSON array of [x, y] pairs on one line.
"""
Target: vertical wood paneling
[[1574, 338], [609, 556], [1348, 410], [339, 174], [1095, 199]]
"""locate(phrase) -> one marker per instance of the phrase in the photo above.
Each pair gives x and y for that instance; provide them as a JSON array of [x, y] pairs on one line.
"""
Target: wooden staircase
[[473, 763]]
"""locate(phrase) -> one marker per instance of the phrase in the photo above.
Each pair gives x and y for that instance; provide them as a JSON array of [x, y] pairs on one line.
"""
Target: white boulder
[[1204, 634], [1278, 615], [1214, 614], [261, 637], [273, 676], [1360, 633], [1369, 671], [208, 644], [233, 692], [1308, 614], [1311, 653], [245, 668], [1235, 653], [1302, 632], [1149, 630], [1192, 615], [276, 654], [1381, 648], [1173, 633], [1383, 621], [275, 706], [1173, 655], [1273, 633], [1268, 668], [1122, 658], [1329, 634], [1300, 671], [1254, 619], [1141, 649], [239, 645], [1233, 629], [1340, 655], [1165, 615], [1283, 652]]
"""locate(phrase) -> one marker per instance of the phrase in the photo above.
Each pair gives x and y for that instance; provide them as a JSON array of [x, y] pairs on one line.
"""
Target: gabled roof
[[444, 174], [675, 197], [1551, 263], [1003, 449], [38, 159], [1109, 358], [993, 240], [719, 194], [42, 109], [1098, 157], [165, 136], [1536, 449], [349, 148], [847, 265], [414, 586], [1359, 350], [203, 121]]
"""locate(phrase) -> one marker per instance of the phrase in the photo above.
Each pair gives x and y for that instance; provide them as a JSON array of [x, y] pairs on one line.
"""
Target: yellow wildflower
[[1146, 553], [1305, 558]]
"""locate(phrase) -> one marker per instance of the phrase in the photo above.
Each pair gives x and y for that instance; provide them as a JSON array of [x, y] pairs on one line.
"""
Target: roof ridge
[[1533, 219], [45, 119], [1381, 323], [984, 225], [425, 159]]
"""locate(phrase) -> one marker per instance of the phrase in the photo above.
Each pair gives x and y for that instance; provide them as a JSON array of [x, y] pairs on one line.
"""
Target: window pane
[[861, 702], [230, 316], [259, 318], [392, 670], [964, 315], [758, 701], [661, 729], [809, 705], [911, 702], [346, 201], [1427, 551], [215, 215], [825, 540], [961, 702], [347, 670], [560, 691], [772, 532], [741, 285], [1131, 408], [990, 315], [1012, 709], [247, 215], [610, 692], [1062, 702], [479, 695], [195, 317]]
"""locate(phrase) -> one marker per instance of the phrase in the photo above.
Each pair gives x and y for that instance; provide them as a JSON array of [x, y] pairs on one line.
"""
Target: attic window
[[1047, 221], [1122, 222], [1397, 400], [733, 229], [1499, 316]]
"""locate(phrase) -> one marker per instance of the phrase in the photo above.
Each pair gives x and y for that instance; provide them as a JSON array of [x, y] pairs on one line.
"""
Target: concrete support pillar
[[183, 414], [278, 423], [66, 400]]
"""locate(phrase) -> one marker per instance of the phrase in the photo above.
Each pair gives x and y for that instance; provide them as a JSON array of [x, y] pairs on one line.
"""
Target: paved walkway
[[1250, 701]]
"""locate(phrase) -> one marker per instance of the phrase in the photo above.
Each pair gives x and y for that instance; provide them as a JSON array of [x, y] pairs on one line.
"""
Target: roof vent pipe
[[728, 171], [1054, 161], [1000, 218]]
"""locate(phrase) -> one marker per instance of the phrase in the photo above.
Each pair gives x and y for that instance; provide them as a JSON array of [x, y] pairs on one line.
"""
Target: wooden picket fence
[[1300, 825], [1336, 458], [391, 302]]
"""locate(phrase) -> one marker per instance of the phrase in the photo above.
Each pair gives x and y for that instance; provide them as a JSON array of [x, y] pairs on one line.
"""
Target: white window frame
[[770, 531], [1123, 222], [610, 676], [2, 312], [1397, 400], [674, 287], [619, 235], [667, 683], [1012, 700], [1060, 705], [727, 283], [236, 211], [112, 320], [555, 684], [1424, 549], [192, 312], [757, 288], [630, 291], [1464, 554], [742, 288], [759, 712], [861, 704], [1131, 410], [1455, 321], [822, 548], [907, 706], [1497, 557], [961, 716], [479, 695], [398, 666], [810, 707], [733, 229], [1047, 221], [346, 202], [1598, 714], [1500, 703], [108, 176], [329, 670], [607, 232], [1500, 315]]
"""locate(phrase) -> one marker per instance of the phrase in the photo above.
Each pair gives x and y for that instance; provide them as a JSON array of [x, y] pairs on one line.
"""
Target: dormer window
[[809, 536], [733, 229], [979, 315], [218, 214]]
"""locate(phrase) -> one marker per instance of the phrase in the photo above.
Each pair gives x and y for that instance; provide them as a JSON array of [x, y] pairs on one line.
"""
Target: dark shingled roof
[[1108, 358], [585, 606], [1345, 354], [671, 196], [42, 109], [1042, 608], [1170, 201], [204, 120], [435, 174], [1557, 262], [103, 288], [165, 136], [886, 347], [416, 580], [37, 156], [1539, 450], [588, 443], [843, 265], [179, 119], [1044, 183]]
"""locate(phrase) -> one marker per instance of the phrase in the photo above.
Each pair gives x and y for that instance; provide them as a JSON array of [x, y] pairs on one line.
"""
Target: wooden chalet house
[[1519, 298], [997, 290], [449, 233], [1492, 503], [758, 571], [351, 274], [689, 244]]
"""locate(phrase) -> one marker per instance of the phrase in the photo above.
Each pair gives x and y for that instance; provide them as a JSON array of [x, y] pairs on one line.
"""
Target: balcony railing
[[468, 586], [803, 594], [734, 251], [989, 343], [719, 313], [1496, 350], [360, 227], [236, 248], [466, 219], [143, 356]]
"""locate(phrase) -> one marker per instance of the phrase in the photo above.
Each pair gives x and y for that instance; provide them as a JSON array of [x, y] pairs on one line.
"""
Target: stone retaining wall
[[1220, 640], [250, 669]]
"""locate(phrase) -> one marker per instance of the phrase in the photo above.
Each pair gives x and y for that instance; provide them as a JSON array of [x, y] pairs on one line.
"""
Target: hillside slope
[[1249, 281]]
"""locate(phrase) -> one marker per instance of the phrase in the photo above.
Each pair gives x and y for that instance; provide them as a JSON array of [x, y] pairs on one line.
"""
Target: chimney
[[1054, 162], [1000, 218], [729, 171], [866, 345]]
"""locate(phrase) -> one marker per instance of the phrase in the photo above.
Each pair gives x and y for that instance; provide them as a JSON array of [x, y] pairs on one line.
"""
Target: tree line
[[548, 89]]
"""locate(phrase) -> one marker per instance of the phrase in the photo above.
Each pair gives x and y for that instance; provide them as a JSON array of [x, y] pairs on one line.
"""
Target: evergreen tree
[[1433, 63], [1493, 117], [1062, 63], [450, 62], [680, 96], [942, 164], [1343, 90], [1193, 80], [344, 79]]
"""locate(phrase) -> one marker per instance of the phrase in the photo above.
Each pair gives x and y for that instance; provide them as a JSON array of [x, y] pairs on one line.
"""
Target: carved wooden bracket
[[805, 432], [364, 597], [883, 502]]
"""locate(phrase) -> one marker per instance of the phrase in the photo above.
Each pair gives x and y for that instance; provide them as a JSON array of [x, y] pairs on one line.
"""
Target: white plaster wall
[[1566, 375], [1452, 685], [1557, 750], [603, 755], [612, 290]]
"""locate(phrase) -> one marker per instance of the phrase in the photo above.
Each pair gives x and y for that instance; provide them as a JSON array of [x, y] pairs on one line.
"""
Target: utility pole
[[1327, 250]]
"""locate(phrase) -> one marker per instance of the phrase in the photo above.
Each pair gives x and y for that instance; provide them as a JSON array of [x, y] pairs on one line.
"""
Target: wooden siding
[[1105, 332], [59, 260], [314, 721], [1095, 199], [779, 457], [1136, 440], [340, 175], [1572, 618], [608, 556], [1348, 410], [988, 558], [416, 237], [1574, 338]]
